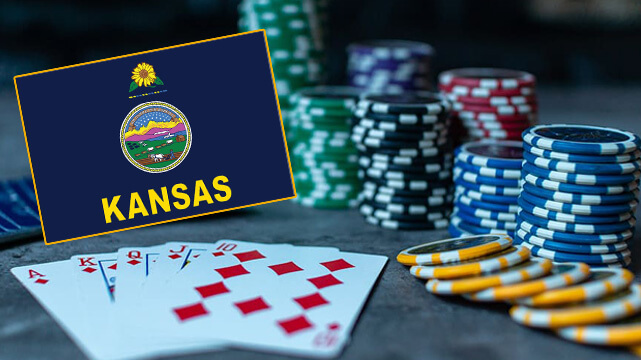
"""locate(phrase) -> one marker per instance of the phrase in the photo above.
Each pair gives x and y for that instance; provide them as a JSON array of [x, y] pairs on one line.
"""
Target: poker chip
[[500, 260], [600, 283], [581, 139], [580, 189], [578, 158], [453, 250], [473, 229], [614, 307], [488, 172], [584, 168], [532, 269], [626, 332], [626, 199], [484, 180], [475, 195], [561, 275], [580, 219], [560, 256], [485, 223], [484, 205], [487, 189], [389, 66], [485, 214], [492, 154], [323, 159], [456, 231], [407, 169], [577, 228], [417, 102], [488, 104], [581, 179], [368, 210], [592, 239], [569, 247]]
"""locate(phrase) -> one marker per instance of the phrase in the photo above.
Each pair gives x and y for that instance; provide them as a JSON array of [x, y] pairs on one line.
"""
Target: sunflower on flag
[[144, 75]]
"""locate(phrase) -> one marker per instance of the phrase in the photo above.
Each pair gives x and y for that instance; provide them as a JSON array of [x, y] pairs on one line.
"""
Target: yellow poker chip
[[532, 269], [611, 308], [453, 250], [561, 275], [602, 282], [497, 261], [626, 332]]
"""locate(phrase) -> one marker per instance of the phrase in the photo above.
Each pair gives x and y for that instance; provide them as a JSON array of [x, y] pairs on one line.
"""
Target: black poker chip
[[399, 135], [405, 176], [418, 102], [433, 191], [405, 209], [395, 126], [430, 201], [406, 185], [429, 168], [401, 118], [369, 210], [403, 225]]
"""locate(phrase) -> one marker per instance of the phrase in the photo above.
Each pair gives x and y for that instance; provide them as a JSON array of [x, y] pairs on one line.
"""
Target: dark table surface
[[400, 321]]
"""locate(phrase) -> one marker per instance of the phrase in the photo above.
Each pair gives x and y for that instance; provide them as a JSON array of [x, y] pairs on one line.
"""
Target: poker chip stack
[[404, 160], [390, 66], [490, 103], [487, 176], [324, 158], [294, 30], [579, 193]]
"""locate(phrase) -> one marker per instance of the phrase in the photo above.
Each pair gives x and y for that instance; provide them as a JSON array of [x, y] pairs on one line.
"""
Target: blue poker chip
[[485, 214], [484, 180], [478, 196], [577, 228], [571, 248], [560, 256], [553, 155], [476, 230], [485, 205], [485, 223], [498, 154], [488, 189], [581, 139], [583, 168], [592, 239], [489, 172], [580, 199], [565, 217], [575, 209], [456, 232], [580, 179], [574, 188]]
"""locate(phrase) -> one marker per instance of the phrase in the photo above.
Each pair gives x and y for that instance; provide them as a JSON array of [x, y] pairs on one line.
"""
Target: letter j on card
[[154, 136]]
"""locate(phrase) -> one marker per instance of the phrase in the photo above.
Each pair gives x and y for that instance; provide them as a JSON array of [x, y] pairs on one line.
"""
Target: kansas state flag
[[154, 136]]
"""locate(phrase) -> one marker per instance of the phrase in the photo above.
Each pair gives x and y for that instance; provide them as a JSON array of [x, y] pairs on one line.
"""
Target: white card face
[[300, 301], [134, 266]]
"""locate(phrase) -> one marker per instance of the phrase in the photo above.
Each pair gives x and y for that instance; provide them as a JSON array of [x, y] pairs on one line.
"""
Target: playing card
[[300, 301]]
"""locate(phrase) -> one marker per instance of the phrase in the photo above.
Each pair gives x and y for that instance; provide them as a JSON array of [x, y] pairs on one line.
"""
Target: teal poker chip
[[478, 196], [580, 199], [560, 256], [404, 225], [582, 168], [315, 111], [581, 139], [571, 218], [580, 189], [484, 180], [417, 102], [576, 209], [488, 189], [578, 158], [488, 172], [569, 247], [591, 239], [485, 223], [461, 199], [485, 214], [577, 228], [497, 154], [580, 179]]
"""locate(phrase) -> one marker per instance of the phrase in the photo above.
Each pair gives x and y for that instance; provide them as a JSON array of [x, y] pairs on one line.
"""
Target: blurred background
[[563, 42]]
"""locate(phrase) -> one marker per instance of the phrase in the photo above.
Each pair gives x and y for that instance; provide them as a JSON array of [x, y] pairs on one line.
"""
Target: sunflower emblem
[[144, 75]]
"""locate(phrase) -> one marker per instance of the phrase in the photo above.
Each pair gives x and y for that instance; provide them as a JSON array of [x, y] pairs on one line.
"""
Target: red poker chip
[[490, 78], [497, 125], [501, 110], [481, 116], [460, 90], [494, 100]]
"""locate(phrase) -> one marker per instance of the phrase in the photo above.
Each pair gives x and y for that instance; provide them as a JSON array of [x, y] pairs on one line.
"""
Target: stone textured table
[[400, 321]]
